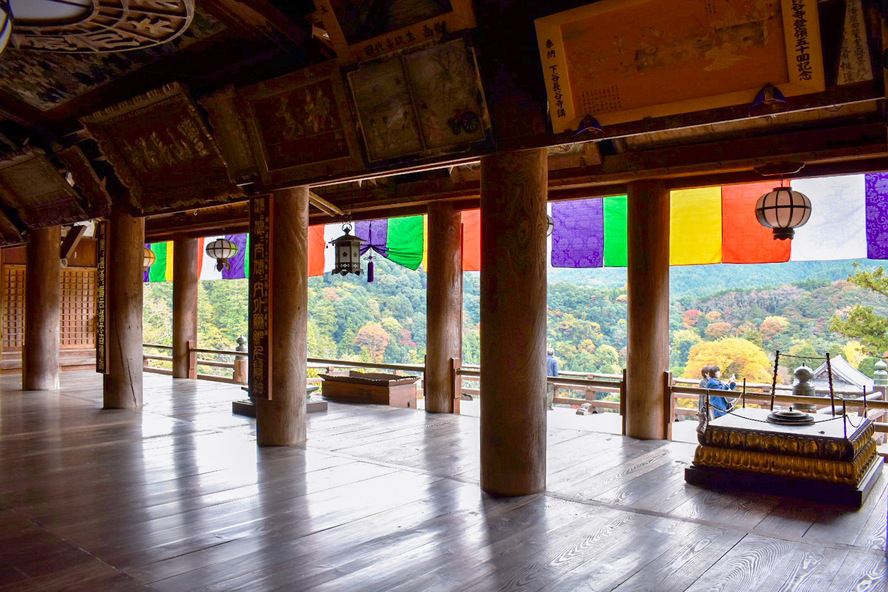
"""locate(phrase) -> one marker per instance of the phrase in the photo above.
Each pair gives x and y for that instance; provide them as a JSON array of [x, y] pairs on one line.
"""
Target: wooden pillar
[[280, 419], [648, 310], [40, 354], [185, 277], [444, 306], [123, 380], [513, 321]]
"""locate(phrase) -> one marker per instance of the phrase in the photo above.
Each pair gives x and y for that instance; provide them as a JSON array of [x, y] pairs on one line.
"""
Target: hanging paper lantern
[[148, 258], [783, 210], [222, 250]]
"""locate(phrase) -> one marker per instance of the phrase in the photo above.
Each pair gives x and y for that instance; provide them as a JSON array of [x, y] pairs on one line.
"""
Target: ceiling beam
[[853, 148]]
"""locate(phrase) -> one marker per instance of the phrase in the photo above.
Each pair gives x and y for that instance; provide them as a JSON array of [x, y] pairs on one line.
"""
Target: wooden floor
[[178, 498]]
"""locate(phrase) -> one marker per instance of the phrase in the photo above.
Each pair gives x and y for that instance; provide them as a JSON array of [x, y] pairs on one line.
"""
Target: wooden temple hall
[[131, 122]]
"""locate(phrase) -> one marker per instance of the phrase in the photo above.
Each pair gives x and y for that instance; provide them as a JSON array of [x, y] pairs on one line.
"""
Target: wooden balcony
[[177, 497]]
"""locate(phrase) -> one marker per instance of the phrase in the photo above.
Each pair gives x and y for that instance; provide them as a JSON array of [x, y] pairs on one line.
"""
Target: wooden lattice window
[[78, 314], [78, 308], [13, 307]]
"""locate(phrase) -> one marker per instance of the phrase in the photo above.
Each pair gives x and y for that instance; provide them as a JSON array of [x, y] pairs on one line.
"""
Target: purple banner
[[237, 270], [147, 269], [375, 232], [877, 216], [578, 237]]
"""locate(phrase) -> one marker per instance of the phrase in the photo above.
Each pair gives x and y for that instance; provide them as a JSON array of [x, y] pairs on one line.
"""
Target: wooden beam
[[69, 243], [40, 354], [647, 283], [324, 205], [186, 259], [281, 418], [444, 300], [852, 148], [513, 314], [123, 380]]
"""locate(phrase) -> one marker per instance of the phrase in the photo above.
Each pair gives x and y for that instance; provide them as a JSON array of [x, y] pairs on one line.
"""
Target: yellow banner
[[695, 229]]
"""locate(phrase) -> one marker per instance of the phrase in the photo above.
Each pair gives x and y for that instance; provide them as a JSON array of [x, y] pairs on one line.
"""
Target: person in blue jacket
[[719, 405], [551, 370]]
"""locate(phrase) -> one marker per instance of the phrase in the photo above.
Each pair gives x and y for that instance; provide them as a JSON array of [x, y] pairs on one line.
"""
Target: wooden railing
[[237, 364], [571, 388], [577, 388]]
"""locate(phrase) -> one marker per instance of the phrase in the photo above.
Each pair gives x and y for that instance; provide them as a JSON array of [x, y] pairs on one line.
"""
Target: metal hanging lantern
[[148, 258], [783, 210], [347, 249], [222, 250]]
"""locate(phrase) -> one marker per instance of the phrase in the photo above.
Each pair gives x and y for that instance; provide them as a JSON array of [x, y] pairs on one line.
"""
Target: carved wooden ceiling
[[271, 93]]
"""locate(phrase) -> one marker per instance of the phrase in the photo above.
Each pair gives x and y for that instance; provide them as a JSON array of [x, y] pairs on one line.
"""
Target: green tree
[[862, 322], [373, 340], [682, 341]]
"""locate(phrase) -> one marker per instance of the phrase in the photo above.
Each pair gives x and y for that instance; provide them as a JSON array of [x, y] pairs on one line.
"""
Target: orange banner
[[471, 220], [744, 240]]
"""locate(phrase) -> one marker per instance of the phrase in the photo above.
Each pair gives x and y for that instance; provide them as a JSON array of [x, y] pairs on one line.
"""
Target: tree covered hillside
[[386, 320]]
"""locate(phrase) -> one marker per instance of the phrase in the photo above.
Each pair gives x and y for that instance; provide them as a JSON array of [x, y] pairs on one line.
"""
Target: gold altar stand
[[821, 462]]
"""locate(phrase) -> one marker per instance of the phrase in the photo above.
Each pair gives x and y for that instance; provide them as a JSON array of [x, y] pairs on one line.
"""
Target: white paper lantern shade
[[5, 24], [148, 258], [783, 210], [222, 250]]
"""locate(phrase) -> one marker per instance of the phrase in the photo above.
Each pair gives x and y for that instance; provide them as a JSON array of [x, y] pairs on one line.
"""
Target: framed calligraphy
[[260, 327], [163, 152], [361, 30], [301, 127], [604, 59]]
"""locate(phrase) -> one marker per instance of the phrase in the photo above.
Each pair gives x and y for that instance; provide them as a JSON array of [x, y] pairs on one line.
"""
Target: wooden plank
[[177, 497]]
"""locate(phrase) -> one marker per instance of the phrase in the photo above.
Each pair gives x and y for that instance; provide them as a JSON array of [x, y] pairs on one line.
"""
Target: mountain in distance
[[700, 280]]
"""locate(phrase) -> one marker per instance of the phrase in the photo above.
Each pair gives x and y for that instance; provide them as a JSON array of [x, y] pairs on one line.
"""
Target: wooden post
[[648, 310], [669, 402], [123, 380], [513, 314], [444, 305], [456, 383], [191, 371], [623, 403], [280, 419], [40, 354], [185, 277]]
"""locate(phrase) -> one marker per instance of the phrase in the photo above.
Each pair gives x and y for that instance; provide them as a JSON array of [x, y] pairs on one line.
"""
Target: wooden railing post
[[669, 403], [192, 359], [456, 383], [241, 362], [623, 401]]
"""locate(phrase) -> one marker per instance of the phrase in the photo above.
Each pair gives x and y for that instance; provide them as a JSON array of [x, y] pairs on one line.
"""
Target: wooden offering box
[[376, 388]]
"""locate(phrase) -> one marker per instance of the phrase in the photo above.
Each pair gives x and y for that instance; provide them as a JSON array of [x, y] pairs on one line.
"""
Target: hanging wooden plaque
[[163, 152], [101, 312], [301, 126], [261, 219], [621, 61]]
